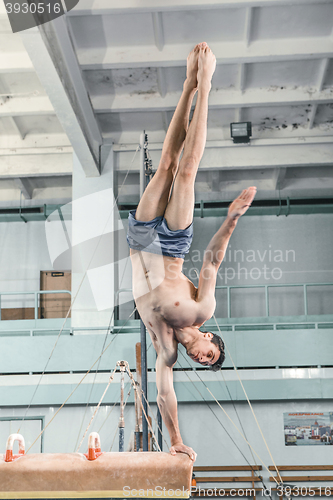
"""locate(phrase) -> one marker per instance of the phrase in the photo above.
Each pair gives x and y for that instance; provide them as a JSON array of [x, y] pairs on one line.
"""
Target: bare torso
[[165, 298]]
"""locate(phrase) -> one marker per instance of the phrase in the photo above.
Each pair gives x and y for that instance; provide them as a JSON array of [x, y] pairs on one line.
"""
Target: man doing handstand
[[160, 234]]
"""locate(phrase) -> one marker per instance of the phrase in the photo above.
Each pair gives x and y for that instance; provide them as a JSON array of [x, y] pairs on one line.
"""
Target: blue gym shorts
[[154, 236]]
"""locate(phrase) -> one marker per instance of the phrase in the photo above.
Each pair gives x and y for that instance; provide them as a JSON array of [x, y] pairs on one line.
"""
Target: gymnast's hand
[[182, 448], [241, 204]]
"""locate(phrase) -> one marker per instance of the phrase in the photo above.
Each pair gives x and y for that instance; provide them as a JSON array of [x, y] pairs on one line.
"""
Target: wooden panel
[[234, 479], [202, 468], [304, 478], [301, 467], [55, 305], [17, 313]]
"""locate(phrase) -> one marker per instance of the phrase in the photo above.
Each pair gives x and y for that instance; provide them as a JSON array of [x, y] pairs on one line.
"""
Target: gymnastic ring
[[9, 457], [94, 446]]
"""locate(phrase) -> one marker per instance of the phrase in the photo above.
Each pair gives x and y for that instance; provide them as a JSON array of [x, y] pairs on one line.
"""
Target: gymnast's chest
[[176, 305]]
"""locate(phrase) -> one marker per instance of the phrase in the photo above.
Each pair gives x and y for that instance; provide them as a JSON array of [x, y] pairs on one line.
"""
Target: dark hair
[[216, 340]]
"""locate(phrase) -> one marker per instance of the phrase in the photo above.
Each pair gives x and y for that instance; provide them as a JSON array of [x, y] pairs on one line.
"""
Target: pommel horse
[[93, 475]]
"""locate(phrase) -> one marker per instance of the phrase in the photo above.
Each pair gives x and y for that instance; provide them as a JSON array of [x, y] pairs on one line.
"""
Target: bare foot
[[241, 204], [192, 64], [206, 67]]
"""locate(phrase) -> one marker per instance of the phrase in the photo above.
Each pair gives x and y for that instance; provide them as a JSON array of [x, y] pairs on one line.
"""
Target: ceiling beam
[[158, 30], [17, 128], [15, 62], [51, 51], [323, 72], [4, 98], [278, 177], [248, 157], [165, 120], [238, 115], [225, 52], [38, 165], [34, 141], [99, 7], [312, 115], [248, 26], [320, 83], [22, 106], [255, 143], [23, 185], [57, 150], [242, 77], [219, 99], [215, 134], [161, 82]]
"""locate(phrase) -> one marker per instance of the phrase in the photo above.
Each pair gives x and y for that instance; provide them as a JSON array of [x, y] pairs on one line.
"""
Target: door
[[55, 305]]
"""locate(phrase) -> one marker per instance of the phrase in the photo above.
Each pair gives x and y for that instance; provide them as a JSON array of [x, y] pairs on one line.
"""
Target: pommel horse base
[[108, 475]]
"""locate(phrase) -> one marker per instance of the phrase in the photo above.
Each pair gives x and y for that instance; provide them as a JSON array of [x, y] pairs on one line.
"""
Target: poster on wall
[[307, 428]]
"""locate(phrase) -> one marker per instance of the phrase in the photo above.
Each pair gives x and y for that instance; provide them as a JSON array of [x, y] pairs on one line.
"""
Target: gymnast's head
[[208, 350]]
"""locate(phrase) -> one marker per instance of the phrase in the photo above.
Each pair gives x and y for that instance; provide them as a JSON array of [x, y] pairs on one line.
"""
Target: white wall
[[199, 428], [23, 254]]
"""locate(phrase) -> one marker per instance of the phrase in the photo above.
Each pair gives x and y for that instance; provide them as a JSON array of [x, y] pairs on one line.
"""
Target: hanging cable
[[243, 430], [247, 398], [108, 415], [135, 386], [97, 408], [115, 434], [149, 407], [211, 409], [252, 410]]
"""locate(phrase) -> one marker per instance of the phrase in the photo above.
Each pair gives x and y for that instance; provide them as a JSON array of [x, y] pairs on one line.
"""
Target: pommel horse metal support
[[145, 176]]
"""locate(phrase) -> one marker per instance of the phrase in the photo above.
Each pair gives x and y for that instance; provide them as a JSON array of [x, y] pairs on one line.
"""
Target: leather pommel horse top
[[109, 475]]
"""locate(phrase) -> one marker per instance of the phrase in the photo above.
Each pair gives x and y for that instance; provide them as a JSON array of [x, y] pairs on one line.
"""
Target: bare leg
[[156, 196], [179, 212]]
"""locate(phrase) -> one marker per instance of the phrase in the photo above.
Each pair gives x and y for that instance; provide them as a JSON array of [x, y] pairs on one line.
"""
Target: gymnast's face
[[202, 350]]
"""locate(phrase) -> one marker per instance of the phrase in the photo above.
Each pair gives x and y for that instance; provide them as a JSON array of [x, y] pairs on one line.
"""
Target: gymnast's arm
[[216, 249], [213, 257], [167, 403]]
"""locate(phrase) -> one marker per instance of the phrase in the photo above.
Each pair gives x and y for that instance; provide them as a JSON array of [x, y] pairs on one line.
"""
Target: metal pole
[[145, 175], [144, 375], [137, 426], [144, 385], [142, 164], [121, 424], [159, 433], [305, 300], [228, 302], [159, 428], [36, 305], [267, 301]]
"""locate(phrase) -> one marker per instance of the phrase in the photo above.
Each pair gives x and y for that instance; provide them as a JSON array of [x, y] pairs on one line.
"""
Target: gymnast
[[160, 234]]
